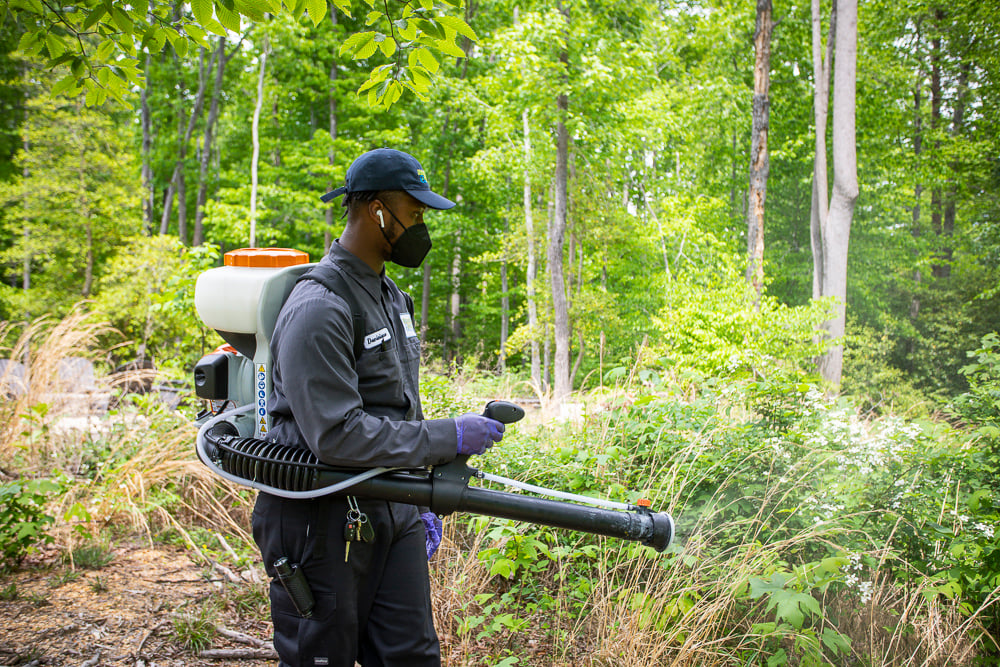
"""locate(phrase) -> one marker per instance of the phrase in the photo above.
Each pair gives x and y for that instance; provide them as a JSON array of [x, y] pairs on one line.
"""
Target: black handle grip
[[504, 411]]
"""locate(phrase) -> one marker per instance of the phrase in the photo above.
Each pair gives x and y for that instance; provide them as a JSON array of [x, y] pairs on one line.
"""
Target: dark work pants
[[374, 609]]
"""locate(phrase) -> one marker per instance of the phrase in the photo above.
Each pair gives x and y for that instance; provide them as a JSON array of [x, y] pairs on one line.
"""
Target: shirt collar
[[357, 269]]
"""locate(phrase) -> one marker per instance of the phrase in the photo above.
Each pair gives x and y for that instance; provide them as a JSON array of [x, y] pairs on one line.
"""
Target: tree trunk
[[557, 232], [957, 124], [207, 141], [332, 108], [821, 101], [455, 303], [759, 160], [918, 188], [88, 268], [148, 194], [532, 269], [937, 269], [255, 133], [837, 232], [26, 234], [185, 140], [504, 296], [182, 227]]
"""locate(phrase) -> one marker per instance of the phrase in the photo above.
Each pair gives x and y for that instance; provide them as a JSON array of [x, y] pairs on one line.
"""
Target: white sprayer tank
[[241, 300]]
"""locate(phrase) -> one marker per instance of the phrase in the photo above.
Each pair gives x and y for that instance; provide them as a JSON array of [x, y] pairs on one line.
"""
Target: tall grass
[[700, 603]]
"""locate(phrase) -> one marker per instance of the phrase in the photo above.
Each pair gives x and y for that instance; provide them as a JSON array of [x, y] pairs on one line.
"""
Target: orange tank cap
[[267, 258], [643, 502]]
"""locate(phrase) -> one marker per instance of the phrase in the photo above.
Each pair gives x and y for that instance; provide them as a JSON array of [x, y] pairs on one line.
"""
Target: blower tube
[[292, 472]]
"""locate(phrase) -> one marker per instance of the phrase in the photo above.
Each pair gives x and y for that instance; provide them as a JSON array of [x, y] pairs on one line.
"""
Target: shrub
[[22, 517]]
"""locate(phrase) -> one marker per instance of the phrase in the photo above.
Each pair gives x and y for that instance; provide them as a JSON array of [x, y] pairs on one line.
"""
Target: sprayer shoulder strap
[[335, 282]]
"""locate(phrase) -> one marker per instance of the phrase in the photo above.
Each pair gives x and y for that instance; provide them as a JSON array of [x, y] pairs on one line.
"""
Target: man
[[346, 358]]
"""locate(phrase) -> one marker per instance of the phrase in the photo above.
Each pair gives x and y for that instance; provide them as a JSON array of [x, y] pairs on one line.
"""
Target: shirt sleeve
[[315, 370]]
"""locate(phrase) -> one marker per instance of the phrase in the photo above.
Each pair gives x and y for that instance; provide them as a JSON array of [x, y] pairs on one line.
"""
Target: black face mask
[[412, 245]]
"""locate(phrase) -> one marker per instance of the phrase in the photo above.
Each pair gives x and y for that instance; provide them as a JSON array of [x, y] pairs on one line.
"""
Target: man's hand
[[477, 433], [432, 525]]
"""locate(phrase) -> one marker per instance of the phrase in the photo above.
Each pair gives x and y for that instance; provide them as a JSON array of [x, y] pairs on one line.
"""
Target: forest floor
[[125, 613]]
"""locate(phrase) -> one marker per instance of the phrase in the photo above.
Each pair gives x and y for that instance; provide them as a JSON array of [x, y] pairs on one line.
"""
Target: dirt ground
[[125, 612]]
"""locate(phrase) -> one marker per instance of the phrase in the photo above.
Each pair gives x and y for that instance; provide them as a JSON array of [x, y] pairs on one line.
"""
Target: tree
[[833, 221], [74, 199], [759, 160]]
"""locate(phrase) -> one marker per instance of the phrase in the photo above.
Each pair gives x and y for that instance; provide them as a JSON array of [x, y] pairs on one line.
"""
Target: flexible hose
[[294, 495]]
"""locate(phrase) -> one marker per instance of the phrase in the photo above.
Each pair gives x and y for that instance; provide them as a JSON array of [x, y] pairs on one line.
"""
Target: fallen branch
[[138, 651], [239, 654], [242, 638]]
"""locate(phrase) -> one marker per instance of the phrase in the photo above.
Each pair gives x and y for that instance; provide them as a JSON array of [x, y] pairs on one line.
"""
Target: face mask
[[412, 245]]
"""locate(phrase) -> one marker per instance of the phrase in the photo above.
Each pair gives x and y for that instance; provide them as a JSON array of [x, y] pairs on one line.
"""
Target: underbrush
[[806, 533]]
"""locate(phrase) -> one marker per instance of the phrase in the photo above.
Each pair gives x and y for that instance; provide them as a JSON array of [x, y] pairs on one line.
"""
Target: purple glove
[[477, 433], [432, 524]]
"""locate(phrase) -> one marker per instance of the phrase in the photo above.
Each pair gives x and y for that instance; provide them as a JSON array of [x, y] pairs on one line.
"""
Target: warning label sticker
[[261, 400]]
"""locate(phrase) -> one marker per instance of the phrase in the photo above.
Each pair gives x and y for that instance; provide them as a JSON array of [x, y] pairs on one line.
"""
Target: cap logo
[[422, 176]]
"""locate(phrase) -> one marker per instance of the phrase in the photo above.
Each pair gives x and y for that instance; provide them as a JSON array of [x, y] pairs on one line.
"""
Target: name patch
[[377, 338], [407, 325]]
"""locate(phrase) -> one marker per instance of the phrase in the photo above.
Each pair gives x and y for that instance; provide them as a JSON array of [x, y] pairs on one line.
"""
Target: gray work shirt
[[362, 412]]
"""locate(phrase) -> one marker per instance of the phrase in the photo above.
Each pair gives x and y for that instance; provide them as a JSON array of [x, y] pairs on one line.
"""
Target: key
[[350, 535], [365, 531]]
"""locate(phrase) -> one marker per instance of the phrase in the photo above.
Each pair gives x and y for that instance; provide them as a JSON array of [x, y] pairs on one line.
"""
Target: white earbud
[[381, 220]]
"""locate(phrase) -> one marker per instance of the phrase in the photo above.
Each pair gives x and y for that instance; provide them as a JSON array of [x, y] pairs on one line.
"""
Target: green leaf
[[104, 50], [122, 20], [407, 29], [344, 6], [55, 46], [421, 82], [448, 47], [202, 11], [428, 60], [28, 42], [352, 43], [388, 46], [430, 28], [180, 46], [227, 17], [427, 4], [317, 10], [215, 27], [196, 32], [68, 82], [459, 26], [835, 641], [372, 17], [366, 49], [95, 15]]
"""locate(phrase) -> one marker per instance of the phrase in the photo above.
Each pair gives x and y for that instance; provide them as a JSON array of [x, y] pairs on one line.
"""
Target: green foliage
[[194, 629], [101, 44], [148, 296], [23, 520], [981, 404], [92, 556]]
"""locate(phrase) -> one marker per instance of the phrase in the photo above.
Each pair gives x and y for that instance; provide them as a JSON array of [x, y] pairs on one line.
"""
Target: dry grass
[[41, 346]]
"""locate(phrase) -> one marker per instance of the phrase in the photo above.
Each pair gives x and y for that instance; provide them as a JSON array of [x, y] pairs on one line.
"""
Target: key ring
[[353, 512]]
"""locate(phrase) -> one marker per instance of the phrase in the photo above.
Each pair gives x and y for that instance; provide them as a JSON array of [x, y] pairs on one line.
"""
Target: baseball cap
[[389, 169]]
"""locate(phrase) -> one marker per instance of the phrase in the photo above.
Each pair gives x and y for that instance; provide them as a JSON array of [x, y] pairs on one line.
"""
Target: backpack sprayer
[[241, 300]]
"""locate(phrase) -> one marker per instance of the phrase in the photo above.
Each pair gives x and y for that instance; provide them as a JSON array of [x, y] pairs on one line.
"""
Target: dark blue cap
[[389, 169]]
